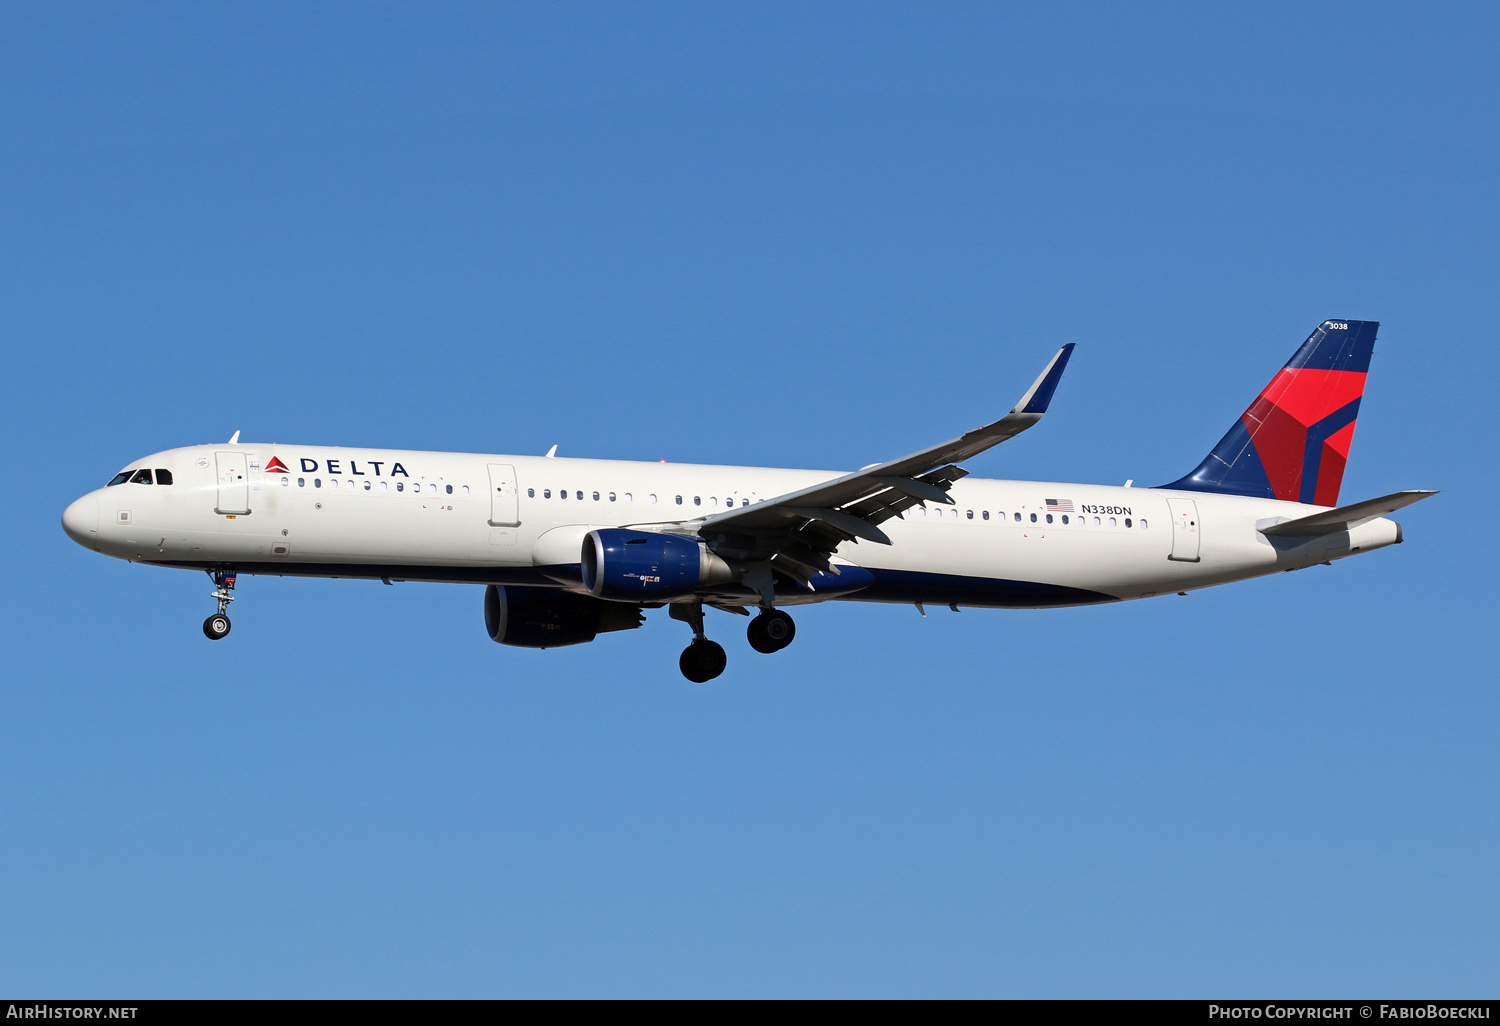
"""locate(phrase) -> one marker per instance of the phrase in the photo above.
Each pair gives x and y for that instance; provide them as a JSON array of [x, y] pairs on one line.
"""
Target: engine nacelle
[[549, 618], [636, 566]]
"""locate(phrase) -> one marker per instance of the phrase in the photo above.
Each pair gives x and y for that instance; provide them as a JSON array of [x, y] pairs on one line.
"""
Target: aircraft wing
[[797, 532]]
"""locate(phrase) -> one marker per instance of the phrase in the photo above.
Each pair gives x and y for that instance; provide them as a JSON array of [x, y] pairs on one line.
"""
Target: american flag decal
[[1059, 505]]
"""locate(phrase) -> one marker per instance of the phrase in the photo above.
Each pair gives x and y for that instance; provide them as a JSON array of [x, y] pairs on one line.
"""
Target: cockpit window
[[141, 477], [120, 478], [163, 476]]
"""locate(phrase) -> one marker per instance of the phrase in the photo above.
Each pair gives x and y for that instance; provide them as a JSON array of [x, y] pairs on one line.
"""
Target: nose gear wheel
[[217, 626]]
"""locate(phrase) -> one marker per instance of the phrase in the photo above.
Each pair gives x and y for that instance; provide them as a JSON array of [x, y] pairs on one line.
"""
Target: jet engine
[[549, 618], [636, 566]]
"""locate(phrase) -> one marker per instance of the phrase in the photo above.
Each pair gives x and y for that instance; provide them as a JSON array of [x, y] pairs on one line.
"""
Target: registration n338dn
[[568, 549]]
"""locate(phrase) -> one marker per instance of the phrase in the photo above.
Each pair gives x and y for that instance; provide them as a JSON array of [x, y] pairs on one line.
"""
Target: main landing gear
[[216, 626], [704, 660], [771, 631]]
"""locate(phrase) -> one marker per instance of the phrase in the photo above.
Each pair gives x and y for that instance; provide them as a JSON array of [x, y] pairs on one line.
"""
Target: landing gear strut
[[703, 660], [216, 626], [771, 631]]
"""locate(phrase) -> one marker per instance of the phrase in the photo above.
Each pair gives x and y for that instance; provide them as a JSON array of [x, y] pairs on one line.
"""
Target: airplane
[[568, 549]]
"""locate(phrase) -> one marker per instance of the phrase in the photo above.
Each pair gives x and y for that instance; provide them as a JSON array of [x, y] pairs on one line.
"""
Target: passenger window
[[466, 489], [546, 493], [284, 481], [382, 486], [1096, 521], [596, 496], [400, 486], [351, 484], [1143, 525], [1018, 518], [449, 488], [301, 482], [679, 500], [165, 477], [579, 494], [531, 493], [629, 497], [367, 486], [432, 489], [141, 477], [1065, 518], [120, 478], [1112, 522], [713, 501], [697, 501], [1033, 518], [985, 514], [653, 498], [1049, 518], [921, 511], [971, 514], [317, 482], [611, 496], [1127, 521]]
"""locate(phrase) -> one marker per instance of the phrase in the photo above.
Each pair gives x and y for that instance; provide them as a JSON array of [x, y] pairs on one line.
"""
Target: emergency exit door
[[1184, 530], [505, 498], [234, 483]]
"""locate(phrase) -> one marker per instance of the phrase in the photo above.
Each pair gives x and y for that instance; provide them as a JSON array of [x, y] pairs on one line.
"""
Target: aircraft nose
[[81, 520]]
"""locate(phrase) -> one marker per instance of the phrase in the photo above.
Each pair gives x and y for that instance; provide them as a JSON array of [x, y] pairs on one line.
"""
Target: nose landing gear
[[216, 626], [771, 631], [703, 660]]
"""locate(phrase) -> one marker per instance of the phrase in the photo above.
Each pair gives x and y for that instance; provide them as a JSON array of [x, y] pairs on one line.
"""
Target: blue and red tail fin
[[1293, 441]]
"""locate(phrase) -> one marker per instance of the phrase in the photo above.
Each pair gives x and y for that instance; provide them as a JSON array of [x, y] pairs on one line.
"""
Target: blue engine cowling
[[635, 566], [551, 618]]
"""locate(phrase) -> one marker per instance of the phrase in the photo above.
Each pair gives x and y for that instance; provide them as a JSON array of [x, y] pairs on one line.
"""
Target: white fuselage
[[520, 520]]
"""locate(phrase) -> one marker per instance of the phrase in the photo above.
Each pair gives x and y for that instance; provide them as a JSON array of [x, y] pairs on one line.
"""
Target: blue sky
[[800, 235]]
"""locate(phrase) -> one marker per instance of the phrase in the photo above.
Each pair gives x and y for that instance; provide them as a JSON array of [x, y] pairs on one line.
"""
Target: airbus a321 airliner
[[572, 548]]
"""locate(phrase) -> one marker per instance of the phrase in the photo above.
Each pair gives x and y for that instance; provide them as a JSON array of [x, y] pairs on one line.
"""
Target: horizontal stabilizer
[[1346, 517]]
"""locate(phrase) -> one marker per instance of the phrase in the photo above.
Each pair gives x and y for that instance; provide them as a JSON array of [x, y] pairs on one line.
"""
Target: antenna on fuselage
[[234, 439]]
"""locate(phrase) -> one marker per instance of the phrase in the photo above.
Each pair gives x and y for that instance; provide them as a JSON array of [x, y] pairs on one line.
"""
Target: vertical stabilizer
[[1293, 441]]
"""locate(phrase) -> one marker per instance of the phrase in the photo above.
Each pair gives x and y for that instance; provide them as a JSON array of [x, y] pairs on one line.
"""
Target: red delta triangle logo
[[276, 466]]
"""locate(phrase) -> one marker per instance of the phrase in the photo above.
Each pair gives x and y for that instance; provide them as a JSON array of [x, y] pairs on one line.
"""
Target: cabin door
[[505, 497], [1184, 530], [234, 483]]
